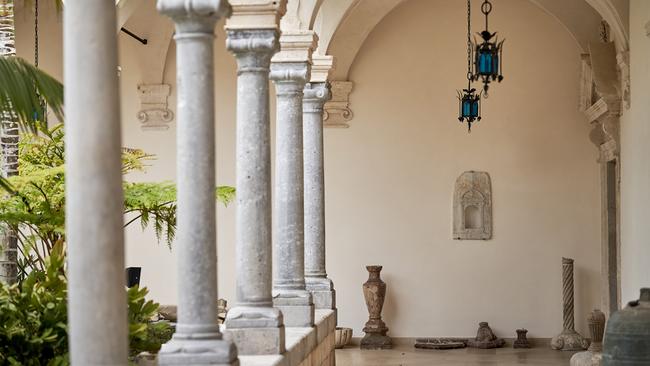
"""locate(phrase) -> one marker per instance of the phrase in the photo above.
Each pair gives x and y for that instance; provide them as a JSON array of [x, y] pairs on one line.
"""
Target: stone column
[[290, 71], [254, 324], [197, 339], [97, 316], [316, 94]]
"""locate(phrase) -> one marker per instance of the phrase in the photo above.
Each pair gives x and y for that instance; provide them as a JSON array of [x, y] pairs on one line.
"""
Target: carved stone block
[[473, 206], [337, 110], [154, 113]]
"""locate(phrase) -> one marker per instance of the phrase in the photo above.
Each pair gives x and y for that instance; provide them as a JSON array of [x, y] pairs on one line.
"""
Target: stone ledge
[[305, 346]]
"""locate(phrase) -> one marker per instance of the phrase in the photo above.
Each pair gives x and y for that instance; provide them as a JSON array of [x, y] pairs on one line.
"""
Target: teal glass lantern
[[469, 106], [488, 54]]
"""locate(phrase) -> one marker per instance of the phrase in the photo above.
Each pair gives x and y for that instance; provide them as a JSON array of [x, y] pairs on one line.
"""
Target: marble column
[[321, 287], [254, 324], [197, 339], [290, 294], [97, 317]]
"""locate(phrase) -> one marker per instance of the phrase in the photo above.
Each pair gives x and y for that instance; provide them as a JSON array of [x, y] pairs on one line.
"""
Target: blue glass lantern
[[469, 107], [488, 54]]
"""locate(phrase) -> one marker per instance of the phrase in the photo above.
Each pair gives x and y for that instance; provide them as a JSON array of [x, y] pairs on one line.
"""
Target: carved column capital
[[314, 97], [256, 14], [295, 73], [296, 46], [194, 16]]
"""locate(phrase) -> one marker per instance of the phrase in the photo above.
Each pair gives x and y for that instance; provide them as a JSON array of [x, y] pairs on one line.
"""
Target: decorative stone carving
[[321, 68], [623, 62], [593, 356], [440, 343], [569, 339], [521, 341], [485, 338], [473, 206], [154, 113], [337, 110], [374, 291], [256, 14]]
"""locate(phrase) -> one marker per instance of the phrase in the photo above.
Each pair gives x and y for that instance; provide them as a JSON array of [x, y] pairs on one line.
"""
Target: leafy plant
[[145, 335], [34, 202]]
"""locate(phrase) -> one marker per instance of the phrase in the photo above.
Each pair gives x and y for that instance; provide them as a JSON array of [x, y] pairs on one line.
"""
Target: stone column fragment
[[197, 339], [568, 339], [254, 324], [97, 318], [290, 294], [321, 287]]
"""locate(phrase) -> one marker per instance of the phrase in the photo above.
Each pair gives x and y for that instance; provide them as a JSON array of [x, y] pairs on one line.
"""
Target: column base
[[192, 349], [322, 292], [569, 340], [255, 330], [297, 307]]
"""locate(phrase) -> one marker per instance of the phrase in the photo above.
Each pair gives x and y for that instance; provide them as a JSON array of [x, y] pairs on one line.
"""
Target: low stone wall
[[305, 346]]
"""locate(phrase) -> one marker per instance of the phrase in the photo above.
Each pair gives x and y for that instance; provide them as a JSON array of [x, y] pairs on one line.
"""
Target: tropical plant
[[34, 202], [33, 318]]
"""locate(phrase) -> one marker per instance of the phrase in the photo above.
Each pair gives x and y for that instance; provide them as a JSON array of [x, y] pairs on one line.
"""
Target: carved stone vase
[[374, 291], [593, 356]]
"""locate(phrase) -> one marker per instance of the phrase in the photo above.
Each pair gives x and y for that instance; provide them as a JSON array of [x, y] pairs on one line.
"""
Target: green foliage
[[33, 317], [23, 87], [34, 202], [143, 334]]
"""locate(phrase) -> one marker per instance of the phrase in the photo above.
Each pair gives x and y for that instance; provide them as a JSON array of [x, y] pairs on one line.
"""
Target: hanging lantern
[[488, 54], [469, 101]]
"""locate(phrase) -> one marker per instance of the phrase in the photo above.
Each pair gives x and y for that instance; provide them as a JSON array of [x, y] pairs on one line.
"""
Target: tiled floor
[[409, 356]]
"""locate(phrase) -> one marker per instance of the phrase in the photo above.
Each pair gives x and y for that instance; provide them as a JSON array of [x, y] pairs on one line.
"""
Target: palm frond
[[21, 84]]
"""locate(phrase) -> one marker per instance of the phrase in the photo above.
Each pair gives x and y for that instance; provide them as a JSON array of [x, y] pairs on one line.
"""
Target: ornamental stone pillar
[[97, 316], [316, 93], [290, 71], [254, 325], [197, 339]]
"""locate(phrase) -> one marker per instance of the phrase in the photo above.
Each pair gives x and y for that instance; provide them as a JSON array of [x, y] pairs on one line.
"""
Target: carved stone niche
[[473, 206]]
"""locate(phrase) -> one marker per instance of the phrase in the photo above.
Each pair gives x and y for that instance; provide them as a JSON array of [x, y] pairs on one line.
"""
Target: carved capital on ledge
[[194, 15], [314, 97], [337, 111], [154, 113], [256, 14]]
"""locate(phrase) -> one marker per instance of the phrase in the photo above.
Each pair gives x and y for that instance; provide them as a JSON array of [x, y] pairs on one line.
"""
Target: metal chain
[[36, 33], [469, 41], [486, 8]]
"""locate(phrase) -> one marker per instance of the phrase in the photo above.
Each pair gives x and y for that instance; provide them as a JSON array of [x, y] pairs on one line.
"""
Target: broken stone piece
[[485, 338]]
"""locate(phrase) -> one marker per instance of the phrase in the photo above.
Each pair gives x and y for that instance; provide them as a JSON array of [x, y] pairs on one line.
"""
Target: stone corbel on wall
[[337, 112], [154, 111]]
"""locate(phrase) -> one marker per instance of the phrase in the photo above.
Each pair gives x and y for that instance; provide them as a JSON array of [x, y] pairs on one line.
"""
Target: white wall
[[635, 163], [390, 176]]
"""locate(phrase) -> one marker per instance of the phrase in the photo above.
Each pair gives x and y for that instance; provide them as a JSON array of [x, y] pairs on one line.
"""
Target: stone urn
[[627, 336], [374, 291], [485, 338]]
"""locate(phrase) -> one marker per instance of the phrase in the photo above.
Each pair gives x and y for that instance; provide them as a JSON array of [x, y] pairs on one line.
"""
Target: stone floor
[[404, 355]]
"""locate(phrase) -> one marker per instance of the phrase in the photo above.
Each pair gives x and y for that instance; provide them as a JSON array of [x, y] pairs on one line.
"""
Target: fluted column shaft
[[255, 326], [197, 339], [289, 277], [315, 96], [97, 316]]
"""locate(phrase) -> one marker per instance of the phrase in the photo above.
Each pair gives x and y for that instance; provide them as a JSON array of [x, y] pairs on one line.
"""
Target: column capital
[[194, 15], [256, 14], [296, 46], [322, 67], [294, 73], [241, 41], [314, 97]]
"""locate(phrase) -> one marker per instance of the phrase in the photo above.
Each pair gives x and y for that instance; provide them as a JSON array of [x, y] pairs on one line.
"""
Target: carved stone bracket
[[337, 111], [154, 111]]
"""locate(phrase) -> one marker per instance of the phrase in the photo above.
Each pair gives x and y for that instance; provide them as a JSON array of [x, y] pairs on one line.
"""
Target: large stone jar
[[627, 337], [374, 291]]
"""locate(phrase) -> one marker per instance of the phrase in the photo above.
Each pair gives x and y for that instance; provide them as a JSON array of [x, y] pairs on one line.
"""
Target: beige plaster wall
[[390, 176], [635, 166]]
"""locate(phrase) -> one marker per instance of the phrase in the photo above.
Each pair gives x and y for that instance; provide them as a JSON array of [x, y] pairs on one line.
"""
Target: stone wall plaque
[[473, 206]]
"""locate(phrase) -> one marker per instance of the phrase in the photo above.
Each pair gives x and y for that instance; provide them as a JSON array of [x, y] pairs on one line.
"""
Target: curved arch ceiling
[[343, 25]]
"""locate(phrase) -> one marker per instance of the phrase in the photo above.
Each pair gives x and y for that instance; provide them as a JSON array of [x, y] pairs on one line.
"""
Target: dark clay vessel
[[627, 337]]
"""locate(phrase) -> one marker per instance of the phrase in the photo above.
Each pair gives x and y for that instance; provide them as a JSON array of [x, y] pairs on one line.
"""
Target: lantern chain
[[36, 33], [469, 44]]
